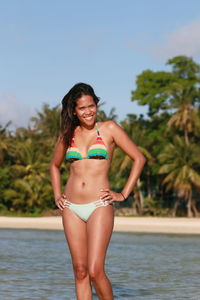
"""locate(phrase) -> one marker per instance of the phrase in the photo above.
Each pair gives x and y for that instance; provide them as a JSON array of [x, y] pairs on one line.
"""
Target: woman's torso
[[89, 175]]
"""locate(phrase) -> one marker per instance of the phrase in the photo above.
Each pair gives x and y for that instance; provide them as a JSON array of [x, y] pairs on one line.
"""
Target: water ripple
[[36, 265]]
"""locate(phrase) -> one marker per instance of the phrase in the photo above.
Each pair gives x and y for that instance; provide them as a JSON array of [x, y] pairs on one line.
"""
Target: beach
[[122, 224]]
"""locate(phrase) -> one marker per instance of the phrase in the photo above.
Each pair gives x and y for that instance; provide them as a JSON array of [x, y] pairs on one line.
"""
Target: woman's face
[[86, 110]]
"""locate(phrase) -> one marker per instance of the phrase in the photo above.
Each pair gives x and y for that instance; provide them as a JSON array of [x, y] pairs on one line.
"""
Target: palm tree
[[29, 195], [47, 122], [26, 153], [179, 163], [29, 176], [4, 142], [102, 116], [122, 163], [185, 116], [184, 95]]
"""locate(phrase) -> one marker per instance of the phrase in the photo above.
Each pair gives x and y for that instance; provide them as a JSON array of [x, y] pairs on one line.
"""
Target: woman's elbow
[[141, 159], [53, 166]]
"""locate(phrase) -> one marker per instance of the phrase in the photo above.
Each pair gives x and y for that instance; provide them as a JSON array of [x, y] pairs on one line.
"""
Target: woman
[[86, 204]]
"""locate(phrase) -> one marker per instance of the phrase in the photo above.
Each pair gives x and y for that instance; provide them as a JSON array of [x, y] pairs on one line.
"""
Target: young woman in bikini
[[86, 203]]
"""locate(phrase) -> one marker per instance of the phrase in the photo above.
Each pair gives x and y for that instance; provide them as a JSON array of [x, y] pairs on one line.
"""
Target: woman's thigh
[[76, 236], [99, 231]]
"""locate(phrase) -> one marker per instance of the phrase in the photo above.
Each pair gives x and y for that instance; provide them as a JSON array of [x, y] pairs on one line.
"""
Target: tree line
[[169, 137]]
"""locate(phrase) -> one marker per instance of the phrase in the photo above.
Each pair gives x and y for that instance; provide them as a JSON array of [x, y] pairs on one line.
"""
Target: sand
[[122, 224]]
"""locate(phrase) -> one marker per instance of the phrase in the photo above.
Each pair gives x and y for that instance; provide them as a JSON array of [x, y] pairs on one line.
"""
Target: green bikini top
[[97, 150]]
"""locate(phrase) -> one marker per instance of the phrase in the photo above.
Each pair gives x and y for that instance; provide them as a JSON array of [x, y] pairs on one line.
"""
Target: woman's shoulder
[[109, 124]]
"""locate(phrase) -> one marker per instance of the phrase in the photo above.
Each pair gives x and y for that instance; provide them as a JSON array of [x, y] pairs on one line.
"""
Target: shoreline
[[122, 224]]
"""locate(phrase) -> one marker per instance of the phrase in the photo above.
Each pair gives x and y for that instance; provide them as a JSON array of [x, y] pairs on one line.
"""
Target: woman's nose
[[87, 110]]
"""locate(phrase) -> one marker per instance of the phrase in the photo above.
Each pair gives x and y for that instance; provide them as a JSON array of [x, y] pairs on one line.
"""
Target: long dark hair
[[69, 120]]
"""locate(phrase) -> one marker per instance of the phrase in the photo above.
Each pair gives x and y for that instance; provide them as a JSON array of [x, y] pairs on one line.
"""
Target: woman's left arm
[[122, 140]]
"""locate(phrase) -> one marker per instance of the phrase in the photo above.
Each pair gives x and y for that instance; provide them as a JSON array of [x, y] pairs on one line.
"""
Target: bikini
[[97, 150]]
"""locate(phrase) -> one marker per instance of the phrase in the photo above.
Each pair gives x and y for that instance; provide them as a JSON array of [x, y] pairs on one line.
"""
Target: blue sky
[[47, 46]]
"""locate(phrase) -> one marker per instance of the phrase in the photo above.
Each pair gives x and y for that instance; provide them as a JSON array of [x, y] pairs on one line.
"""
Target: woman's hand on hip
[[60, 202], [108, 195]]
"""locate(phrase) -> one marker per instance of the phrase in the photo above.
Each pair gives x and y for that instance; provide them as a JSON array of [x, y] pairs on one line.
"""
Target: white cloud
[[183, 41], [12, 109]]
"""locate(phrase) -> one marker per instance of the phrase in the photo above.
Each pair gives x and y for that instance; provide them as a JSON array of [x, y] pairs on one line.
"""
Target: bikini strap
[[97, 129]]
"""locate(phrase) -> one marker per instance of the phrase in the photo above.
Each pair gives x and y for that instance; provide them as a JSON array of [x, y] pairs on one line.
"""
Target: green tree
[[102, 116], [4, 142], [180, 164], [185, 95], [151, 90], [169, 90], [47, 122], [173, 100], [29, 177], [122, 163]]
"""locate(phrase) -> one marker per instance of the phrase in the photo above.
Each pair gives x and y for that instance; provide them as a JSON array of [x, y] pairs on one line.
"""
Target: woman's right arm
[[56, 161]]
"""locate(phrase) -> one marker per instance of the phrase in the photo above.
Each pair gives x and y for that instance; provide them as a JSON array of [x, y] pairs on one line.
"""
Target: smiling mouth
[[88, 118]]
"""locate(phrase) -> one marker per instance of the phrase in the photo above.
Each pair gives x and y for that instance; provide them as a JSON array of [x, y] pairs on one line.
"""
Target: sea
[[36, 264]]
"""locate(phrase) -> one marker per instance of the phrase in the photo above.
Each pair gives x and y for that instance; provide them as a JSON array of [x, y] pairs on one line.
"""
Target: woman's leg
[[76, 235], [99, 231]]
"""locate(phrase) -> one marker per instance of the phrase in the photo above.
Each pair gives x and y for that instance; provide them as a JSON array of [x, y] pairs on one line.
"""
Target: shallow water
[[35, 264]]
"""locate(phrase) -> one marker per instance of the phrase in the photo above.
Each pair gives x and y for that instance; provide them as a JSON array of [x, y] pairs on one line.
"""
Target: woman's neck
[[85, 128]]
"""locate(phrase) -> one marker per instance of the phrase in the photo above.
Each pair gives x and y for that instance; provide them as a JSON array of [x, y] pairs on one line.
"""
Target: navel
[[83, 184]]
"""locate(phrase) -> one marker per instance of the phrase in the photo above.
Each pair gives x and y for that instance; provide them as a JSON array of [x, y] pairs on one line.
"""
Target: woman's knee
[[96, 273], [80, 271]]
